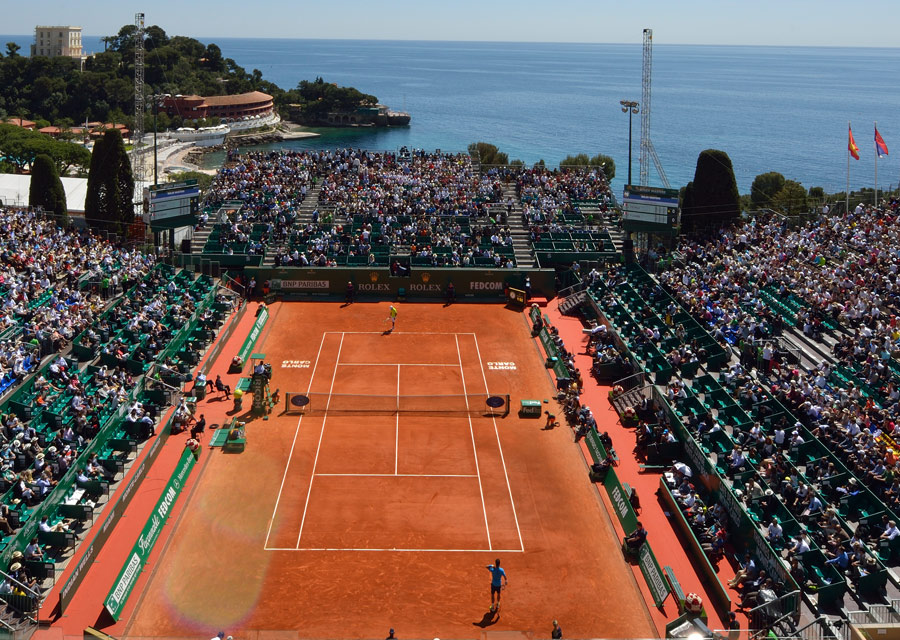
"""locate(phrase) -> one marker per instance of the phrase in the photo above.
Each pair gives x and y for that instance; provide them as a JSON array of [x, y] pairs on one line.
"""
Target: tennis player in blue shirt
[[497, 574]]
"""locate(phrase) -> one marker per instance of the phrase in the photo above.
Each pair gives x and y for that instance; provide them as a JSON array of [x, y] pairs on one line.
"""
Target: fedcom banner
[[124, 584], [419, 282]]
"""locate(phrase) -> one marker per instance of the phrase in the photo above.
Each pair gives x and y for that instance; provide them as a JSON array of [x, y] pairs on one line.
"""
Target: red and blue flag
[[880, 146]]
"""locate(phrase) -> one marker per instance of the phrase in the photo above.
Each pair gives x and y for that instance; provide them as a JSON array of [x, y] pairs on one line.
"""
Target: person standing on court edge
[[497, 574]]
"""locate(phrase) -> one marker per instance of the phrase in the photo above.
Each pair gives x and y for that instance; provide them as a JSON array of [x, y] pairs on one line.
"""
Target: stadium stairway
[[663, 537], [520, 235], [200, 236], [570, 304], [304, 216]]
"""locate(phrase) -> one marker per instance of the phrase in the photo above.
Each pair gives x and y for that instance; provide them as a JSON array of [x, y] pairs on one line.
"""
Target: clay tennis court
[[342, 524]]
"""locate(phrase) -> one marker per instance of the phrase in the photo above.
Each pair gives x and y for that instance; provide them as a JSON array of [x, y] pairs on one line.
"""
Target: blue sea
[[770, 108]]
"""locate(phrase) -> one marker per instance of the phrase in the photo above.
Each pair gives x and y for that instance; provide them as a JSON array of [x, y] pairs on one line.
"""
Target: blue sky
[[759, 22]]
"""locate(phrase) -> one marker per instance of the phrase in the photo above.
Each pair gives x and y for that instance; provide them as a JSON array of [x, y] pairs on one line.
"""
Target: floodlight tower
[[648, 153], [138, 167]]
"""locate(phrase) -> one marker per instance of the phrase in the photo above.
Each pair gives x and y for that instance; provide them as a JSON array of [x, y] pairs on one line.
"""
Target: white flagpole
[[847, 204], [876, 166]]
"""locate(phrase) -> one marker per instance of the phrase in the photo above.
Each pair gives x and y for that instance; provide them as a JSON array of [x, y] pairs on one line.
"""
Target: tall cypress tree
[[712, 198], [110, 190], [46, 189]]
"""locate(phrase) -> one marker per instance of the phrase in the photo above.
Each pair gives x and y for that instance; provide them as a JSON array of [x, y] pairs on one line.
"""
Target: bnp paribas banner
[[124, 584]]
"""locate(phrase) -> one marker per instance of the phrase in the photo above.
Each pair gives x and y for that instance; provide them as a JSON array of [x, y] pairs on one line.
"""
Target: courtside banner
[[112, 518], [598, 451], [620, 502], [250, 342], [653, 574], [127, 578]]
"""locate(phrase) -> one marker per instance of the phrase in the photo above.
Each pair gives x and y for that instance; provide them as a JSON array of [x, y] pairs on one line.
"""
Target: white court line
[[396, 364], [500, 447], [474, 448], [293, 444], [406, 550], [404, 333], [397, 426], [321, 433], [396, 475]]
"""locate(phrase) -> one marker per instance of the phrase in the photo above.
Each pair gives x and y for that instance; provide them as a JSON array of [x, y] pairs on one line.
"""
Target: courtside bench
[[677, 591]]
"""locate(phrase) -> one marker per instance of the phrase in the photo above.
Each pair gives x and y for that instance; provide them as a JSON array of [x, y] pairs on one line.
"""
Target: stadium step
[[632, 397], [520, 235], [310, 204], [569, 304], [617, 235]]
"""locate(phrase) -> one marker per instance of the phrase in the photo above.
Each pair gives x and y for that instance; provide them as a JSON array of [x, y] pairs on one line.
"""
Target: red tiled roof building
[[236, 107]]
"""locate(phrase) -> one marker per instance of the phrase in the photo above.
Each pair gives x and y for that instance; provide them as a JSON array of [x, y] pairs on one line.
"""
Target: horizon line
[[637, 44]]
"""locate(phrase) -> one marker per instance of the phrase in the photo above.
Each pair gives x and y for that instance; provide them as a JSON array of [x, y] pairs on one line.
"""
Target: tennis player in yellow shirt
[[392, 316]]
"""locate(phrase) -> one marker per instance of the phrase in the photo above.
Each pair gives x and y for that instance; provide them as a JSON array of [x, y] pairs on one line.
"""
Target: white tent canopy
[[14, 191]]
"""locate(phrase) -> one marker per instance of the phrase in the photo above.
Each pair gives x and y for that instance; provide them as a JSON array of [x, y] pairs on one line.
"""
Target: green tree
[[817, 194], [764, 188], [204, 180], [487, 154], [155, 37], [12, 50], [212, 58], [110, 188], [712, 197], [791, 199], [583, 160], [21, 147], [46, 189]]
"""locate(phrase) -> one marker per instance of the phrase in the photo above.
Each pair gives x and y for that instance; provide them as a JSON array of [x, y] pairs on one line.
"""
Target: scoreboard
[[650, 209], [171, 203]]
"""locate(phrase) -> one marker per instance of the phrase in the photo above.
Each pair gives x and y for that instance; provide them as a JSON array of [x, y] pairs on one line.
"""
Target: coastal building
[[227, 108], [57, 41], [20, 122]]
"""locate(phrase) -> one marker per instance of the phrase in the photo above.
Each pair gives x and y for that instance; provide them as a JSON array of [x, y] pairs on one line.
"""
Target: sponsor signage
[[124, 584], [653, 575], [252, 337], [301, 284], [93, 550], [495, 285], [621, 504], [418, 282], [598, 452]]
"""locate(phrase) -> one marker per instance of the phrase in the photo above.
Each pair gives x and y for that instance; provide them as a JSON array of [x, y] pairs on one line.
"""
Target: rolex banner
[[128, 576]]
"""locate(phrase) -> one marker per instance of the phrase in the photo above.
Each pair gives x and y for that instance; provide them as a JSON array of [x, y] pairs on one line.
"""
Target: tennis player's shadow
[[387, 332], [489, 618]]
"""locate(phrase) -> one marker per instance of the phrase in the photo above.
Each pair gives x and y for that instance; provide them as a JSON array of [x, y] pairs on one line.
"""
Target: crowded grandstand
[[755, 370]]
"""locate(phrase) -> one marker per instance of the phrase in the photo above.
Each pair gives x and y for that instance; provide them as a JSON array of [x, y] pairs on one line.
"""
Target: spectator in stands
[[891, 531], [33, 551], [746, 571]]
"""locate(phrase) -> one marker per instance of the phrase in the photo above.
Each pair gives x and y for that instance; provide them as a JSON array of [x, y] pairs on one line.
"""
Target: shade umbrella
[[683, 468]]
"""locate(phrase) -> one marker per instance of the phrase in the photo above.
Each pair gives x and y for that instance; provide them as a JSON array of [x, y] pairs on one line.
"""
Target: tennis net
[[475, 404]]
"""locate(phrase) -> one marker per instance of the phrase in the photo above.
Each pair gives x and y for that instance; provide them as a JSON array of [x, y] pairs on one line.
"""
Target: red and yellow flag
[[851, 145]]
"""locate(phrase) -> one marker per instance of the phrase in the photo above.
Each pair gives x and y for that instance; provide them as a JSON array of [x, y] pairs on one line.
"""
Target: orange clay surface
[[343, 525]]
